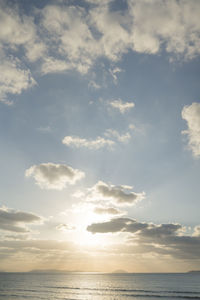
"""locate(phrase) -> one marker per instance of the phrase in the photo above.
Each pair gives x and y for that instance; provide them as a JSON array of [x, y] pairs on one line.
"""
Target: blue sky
[[100, 126]]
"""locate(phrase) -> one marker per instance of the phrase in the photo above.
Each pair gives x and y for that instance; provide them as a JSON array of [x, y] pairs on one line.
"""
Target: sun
[[87, 239], [80, 236]]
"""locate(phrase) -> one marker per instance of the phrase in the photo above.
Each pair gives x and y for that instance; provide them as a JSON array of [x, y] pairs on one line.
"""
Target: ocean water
[[95, 286]]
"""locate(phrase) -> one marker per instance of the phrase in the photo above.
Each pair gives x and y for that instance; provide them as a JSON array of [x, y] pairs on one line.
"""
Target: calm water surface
[[93, 286]]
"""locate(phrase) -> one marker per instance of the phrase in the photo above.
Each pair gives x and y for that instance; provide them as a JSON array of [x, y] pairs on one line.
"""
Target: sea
[[98, 286]]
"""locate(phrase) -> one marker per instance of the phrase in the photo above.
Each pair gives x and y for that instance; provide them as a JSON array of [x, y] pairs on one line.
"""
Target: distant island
[[73, 271], [194, 272]]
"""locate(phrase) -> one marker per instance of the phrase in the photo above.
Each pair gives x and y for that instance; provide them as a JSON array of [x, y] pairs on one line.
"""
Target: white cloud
[[70, 34], [191, 114], [34, 50], [196, 231], [18, 29], [18, 32], [52, 65], [147, 26], [77, 142], [68, 37], [115, 39], [79, 37], [121, 105], [65, 37], [54, 176], [119, 195], [166, 23], [14, 78]]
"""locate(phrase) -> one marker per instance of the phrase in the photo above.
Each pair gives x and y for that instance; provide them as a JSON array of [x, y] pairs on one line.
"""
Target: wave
[[128, 293], [161, 296], [123, 290]]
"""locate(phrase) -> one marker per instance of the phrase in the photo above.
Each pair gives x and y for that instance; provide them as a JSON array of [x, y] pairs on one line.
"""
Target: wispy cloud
[[77, 142], [65, 227], [123, 138], [44, 129], [114, 73], [121, 105], [92, 84], [112, 138]]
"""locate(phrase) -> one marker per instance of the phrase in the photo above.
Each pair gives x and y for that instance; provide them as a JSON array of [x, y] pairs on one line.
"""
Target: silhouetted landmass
[[194, 272]]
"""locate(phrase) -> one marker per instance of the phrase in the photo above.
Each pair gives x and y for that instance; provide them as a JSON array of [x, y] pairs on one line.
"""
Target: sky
[[100, 135]]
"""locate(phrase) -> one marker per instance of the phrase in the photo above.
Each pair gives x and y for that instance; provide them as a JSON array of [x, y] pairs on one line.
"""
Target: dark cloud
[[153, 230], [117, 225], [165, 239], [129, 225], [121, 195], [15, 221]]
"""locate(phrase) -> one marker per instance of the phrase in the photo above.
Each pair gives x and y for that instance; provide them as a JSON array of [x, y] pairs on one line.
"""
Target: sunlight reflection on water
[[95, 286]]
